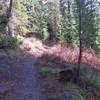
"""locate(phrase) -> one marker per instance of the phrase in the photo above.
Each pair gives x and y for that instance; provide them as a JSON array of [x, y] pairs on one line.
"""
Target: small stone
[[70, 96], [66, 75], [3, 91], [4, 67]]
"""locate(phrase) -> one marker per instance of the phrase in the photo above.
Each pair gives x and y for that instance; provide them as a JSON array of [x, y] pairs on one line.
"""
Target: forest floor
[[24, 81]]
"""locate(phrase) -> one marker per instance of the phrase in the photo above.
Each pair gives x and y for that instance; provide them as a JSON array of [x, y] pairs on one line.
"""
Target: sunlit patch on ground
[[37, 48]]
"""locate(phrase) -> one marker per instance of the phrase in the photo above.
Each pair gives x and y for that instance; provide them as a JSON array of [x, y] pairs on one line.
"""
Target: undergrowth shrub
[[7, 41], [96, 81], [3, 22], [46, 71], [73, 88], [96, 47], [45, 34], [90, 77], [23, 30]]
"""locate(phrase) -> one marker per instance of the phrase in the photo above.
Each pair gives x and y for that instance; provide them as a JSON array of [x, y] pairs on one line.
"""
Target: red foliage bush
[[71, 55]]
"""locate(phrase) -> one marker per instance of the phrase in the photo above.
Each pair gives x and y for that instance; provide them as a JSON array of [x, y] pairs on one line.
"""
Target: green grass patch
[[46, 71]]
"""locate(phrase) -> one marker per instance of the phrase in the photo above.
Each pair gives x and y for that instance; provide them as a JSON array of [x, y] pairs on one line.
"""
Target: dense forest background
[[55, 20]]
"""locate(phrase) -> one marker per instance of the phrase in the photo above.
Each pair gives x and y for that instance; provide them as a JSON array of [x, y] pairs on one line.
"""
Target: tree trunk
[[9, 9], [9, 14], [79, 4]]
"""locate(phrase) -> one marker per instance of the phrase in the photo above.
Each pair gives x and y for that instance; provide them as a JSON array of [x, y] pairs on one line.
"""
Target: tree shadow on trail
[[19, 75]]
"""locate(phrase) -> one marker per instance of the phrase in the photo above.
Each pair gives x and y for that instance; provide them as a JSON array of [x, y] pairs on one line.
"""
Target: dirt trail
[[27, 85]]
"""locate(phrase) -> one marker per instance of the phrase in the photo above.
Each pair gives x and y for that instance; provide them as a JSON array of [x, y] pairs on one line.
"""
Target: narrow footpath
[[27, 83]]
